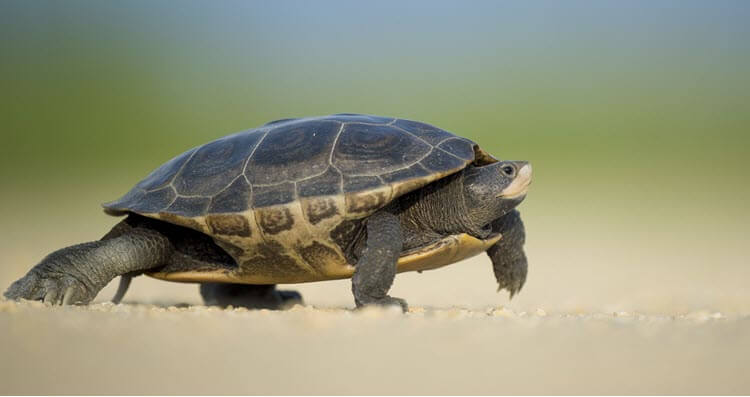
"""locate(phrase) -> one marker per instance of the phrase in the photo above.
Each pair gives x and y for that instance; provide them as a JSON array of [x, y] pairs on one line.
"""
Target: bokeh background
[[635, 115]]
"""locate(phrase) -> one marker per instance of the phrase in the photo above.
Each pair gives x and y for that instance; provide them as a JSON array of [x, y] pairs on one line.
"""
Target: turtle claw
[[52, 289], [513, 287], [68, 296], [51, 292]]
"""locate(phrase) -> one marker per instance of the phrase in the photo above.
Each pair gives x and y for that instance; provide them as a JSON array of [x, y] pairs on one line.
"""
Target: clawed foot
[[73, 275], [52, 288], [388, 301]]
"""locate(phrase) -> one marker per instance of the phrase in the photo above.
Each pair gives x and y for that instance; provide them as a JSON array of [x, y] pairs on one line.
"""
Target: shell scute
[[154, 201], [412, 172], [459, 147], [361, 183], [439, 161], [215, 165], [229, 225], [267, 196], [235, 198], [367, 202], [375, 150], [292, 152], [319, 208], [188, 206], [163, 176], [428, 133], [325, 184], [274, 220]]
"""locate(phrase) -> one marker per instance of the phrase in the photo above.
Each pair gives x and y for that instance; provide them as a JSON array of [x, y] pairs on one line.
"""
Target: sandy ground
[[136, 349], [606, 310]]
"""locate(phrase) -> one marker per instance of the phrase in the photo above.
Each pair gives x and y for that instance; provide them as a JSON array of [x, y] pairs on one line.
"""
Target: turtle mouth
[[519, 186]]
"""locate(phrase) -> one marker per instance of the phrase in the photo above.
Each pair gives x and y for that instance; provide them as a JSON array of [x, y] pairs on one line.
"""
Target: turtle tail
[[122, 288]]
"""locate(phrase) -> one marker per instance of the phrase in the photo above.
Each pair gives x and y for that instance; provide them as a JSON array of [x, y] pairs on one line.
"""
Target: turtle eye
[[508, 170]]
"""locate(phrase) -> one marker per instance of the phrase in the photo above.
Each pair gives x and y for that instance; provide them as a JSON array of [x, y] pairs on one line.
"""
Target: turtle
[[303, 200]]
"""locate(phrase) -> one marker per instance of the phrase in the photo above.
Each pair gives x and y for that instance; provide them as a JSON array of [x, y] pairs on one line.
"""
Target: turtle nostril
[[508, 170]]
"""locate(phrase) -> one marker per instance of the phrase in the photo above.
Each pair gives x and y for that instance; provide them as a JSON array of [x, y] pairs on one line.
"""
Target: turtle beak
[[520, 184]]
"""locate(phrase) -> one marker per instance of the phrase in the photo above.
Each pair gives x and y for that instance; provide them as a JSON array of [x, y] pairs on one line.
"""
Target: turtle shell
[[277, 197]]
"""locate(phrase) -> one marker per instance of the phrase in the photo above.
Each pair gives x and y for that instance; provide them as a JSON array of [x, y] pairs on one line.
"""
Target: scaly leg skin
[[376, 269], [248, 296], [507, 255], [74, 275]]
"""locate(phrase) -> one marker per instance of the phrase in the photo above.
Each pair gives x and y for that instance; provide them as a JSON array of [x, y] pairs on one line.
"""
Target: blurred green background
[[635, 115]]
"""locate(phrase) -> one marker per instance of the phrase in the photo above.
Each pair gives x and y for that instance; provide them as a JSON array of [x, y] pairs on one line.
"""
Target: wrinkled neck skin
[[450, 206]]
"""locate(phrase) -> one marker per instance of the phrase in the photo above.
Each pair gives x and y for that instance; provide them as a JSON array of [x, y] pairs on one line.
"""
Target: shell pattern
[[283, 199]]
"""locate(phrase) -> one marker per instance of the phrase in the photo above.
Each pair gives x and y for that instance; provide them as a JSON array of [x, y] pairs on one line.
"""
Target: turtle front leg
[[74, 275], [507, 255], [376, 268]]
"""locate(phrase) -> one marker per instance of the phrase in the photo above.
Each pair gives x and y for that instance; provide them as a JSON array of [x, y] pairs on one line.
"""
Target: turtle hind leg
[[74, 275], [248, 296]]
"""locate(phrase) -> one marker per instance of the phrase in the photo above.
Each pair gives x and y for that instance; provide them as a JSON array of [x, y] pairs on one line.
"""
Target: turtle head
[[493, 190]]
